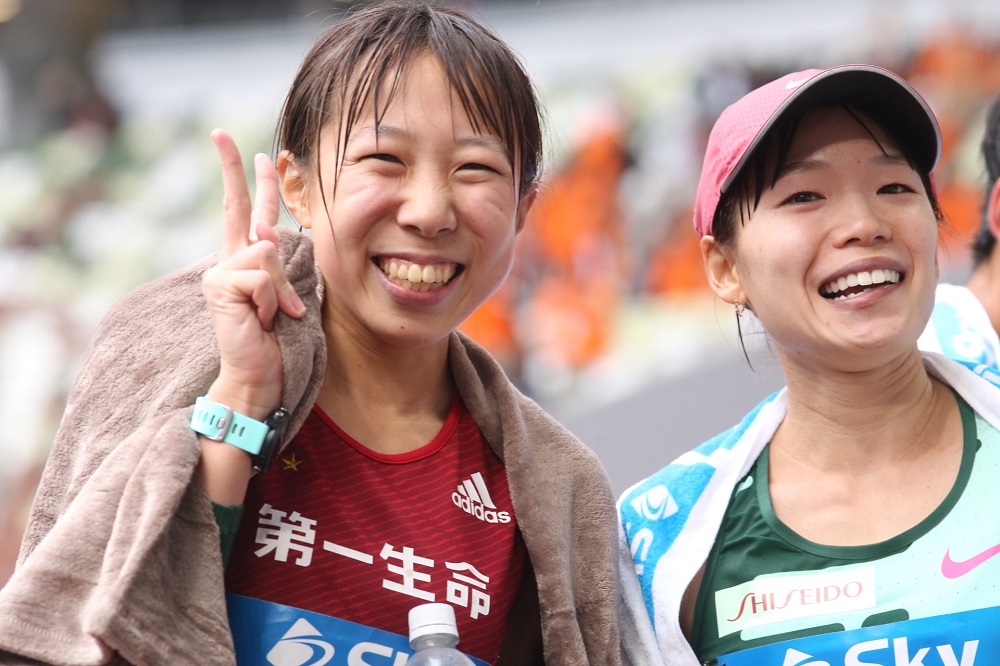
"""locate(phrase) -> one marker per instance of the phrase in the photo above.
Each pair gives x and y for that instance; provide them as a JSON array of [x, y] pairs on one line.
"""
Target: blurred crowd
[[590, 249], [96, 201]]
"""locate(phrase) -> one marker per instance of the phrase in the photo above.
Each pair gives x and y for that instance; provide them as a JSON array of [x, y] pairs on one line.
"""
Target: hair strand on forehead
[[767, 162], [359, 63]]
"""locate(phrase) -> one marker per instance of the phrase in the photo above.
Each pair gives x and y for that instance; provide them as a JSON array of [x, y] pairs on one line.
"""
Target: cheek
[[489, 213], [767, 267], [356, 207], [934, 237], [495, 194]]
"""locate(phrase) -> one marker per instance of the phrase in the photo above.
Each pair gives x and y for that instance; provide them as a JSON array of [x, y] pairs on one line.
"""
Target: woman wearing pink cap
[[841, 522]]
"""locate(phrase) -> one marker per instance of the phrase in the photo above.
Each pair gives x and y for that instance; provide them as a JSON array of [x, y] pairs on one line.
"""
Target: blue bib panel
[[268, 633]]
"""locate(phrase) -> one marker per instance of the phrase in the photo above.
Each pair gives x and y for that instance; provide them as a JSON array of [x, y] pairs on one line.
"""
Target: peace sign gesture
[[248, 286]]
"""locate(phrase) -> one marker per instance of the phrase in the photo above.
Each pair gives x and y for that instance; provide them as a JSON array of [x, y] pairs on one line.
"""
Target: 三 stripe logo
[[473, 497]]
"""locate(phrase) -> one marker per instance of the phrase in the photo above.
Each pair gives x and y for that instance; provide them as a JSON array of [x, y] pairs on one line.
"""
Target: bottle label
[[269, 633]]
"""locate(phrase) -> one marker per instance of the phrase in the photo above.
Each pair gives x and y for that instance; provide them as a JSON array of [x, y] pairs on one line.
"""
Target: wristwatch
[[221, 424]]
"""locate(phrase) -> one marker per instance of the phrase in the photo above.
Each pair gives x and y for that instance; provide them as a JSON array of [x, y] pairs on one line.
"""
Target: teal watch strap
[[220, 423]]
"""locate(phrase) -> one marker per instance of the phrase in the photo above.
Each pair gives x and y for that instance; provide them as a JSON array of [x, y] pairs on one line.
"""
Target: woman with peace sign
[[306, 397]]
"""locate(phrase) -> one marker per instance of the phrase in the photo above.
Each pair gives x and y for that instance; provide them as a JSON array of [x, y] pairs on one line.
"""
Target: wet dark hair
[[357, 63], [985, 241], [768, 161]]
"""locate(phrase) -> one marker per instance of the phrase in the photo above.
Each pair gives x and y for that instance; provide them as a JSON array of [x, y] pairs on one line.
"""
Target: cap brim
[[878, 93]]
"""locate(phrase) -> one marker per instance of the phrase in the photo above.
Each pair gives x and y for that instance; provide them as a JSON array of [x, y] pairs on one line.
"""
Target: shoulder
[[960, 327], [548, 433], [531, 442], [677, 487], [955, 371]]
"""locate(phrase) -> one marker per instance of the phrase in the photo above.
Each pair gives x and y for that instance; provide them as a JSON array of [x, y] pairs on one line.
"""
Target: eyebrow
[[805, 166]]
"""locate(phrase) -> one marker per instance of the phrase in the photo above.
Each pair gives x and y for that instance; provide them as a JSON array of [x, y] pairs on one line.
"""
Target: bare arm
[[245, 291]]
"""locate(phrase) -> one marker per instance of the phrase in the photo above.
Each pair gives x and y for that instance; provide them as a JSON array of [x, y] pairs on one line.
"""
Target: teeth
[[863, 278], [417, 277]]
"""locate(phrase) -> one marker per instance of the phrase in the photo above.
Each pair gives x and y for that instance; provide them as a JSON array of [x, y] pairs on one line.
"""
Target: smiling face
[[420, 228], [838, 258]]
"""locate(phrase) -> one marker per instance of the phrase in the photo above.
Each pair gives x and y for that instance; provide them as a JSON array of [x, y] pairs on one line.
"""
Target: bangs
[[477, 69], [770, 158]]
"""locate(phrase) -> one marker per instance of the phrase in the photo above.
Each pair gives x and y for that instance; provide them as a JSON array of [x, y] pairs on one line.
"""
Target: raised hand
[[245, 291]]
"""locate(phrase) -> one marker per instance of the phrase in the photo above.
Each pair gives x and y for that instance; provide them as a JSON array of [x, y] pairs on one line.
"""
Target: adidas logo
[[473, 497]]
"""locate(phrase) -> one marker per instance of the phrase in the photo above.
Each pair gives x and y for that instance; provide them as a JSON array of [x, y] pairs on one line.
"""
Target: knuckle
[[210, 278], [266, 251]]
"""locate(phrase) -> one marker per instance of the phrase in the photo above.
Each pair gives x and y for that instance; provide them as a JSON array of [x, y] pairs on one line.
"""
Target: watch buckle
[[223, 423]]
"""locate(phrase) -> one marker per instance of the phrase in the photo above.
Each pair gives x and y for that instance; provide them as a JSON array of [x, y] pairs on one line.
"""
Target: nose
[[428, 206], [862, 221]]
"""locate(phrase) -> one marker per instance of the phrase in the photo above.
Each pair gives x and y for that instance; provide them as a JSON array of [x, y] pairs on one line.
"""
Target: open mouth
[[855, 284], [418, 277]]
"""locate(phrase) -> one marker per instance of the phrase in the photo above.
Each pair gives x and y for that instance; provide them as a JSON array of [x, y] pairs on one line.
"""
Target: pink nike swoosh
[[952, 569]]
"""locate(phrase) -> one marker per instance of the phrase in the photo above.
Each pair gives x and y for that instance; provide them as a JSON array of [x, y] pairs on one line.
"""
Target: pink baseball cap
[[743, 125]]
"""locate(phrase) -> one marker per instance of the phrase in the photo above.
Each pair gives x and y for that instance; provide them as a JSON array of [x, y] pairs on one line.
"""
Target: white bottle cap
[[432, 619]]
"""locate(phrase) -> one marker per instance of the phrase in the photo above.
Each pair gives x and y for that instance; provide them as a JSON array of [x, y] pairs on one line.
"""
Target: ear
[[720, 268], [294, 188], [993, 210], [524, 206]]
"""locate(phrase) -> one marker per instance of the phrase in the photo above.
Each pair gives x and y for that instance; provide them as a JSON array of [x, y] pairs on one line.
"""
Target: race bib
[[962, 639], [268, 633]]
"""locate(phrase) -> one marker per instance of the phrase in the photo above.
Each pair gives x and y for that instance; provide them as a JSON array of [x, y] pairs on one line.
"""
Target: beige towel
[[121, 559]]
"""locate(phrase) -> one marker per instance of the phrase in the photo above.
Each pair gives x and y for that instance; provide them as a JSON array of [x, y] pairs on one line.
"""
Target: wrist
[[257, 403], [219, 422]]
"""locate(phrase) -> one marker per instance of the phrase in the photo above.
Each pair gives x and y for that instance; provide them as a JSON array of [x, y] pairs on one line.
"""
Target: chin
[[413, 336]]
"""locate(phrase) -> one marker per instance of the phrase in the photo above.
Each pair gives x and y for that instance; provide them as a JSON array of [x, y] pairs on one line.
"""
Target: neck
[[844, 420], [390, 399]]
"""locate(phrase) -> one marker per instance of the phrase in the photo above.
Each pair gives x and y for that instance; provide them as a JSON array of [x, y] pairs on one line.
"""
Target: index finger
[[236, 207], [266, 201]]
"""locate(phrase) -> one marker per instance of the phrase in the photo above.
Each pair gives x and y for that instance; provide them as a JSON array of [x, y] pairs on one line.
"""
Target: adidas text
[[478, 510]]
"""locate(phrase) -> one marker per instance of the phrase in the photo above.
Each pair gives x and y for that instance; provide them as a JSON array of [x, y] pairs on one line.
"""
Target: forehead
[[417, 97], [826, 125], [422, 82]]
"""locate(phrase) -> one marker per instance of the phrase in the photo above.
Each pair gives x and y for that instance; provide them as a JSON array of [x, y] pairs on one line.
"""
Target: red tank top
[[337, 529]]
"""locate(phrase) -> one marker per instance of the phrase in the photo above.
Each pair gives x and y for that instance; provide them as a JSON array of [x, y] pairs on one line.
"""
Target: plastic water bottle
[[433, 637]]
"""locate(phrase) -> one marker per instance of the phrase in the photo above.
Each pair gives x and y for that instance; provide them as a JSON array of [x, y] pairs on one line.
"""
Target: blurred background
[[108, 178]]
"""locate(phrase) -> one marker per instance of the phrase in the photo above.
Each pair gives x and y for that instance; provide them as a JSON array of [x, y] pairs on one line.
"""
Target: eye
[[802, 197], [895, 188], [476, 166], [383, 157]]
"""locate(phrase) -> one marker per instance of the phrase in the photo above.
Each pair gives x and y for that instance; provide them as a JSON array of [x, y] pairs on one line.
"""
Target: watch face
[[276, 423], [278, 419]]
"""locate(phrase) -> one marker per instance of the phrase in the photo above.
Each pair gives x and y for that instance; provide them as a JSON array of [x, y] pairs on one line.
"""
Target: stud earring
[[739, 307]]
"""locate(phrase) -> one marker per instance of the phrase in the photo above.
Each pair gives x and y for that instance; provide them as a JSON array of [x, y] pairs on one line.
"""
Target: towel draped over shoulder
[[121, 561]]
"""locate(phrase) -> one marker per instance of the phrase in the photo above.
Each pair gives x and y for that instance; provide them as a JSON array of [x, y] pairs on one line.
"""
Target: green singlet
[[765, 584]]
